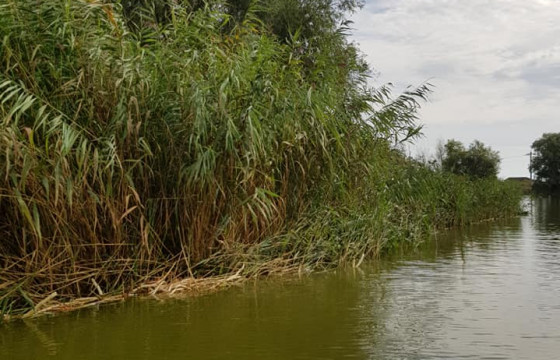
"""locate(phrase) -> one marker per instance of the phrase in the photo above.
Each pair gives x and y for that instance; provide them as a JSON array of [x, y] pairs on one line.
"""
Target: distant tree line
[[477, 161], [480, 161]]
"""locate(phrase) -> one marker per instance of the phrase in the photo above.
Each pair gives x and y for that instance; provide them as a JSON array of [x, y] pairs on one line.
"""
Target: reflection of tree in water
[[546, 224], [546, 213]]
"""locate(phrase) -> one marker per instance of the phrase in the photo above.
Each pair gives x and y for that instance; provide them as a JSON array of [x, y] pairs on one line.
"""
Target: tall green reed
[[192, 147]]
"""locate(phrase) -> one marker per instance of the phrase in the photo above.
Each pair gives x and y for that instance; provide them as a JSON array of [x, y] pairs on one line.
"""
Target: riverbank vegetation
[[145, 144]]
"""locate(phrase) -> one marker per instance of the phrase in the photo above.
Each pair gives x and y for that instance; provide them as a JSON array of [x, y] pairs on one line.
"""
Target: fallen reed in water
[[196, 148]]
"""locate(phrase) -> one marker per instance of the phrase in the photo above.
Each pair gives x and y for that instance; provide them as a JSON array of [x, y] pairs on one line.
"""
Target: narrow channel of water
[[488, 292]]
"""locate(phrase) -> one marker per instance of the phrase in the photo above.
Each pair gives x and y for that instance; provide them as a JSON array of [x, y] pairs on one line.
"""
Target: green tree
[[546, 162], [478, 161]]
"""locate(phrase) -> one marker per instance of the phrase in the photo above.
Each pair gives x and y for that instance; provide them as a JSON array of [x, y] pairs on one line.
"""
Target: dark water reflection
[[487, 292]]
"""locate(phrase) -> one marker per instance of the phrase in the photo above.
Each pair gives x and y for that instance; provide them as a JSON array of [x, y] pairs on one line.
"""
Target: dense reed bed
[[200, 146]]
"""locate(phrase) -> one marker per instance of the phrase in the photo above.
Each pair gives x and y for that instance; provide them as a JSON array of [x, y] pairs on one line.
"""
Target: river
[[490, 291]]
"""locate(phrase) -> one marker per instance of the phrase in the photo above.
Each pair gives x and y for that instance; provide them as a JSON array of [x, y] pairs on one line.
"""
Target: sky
[[494, 65]]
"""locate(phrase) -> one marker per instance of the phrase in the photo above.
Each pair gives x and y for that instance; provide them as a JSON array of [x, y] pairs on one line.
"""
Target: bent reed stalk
[[196, 148]]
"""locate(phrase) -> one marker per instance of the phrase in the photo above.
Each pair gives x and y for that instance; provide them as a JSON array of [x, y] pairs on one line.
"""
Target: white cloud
[[495, 64]]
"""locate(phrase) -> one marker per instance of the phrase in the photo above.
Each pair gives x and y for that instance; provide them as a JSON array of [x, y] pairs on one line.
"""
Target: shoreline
[[184, 287], [160, 289]]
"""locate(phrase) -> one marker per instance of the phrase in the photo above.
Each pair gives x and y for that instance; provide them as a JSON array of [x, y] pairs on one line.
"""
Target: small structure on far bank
[[525, 183]]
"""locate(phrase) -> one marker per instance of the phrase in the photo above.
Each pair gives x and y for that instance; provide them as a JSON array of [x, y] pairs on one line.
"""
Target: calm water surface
[[487, 292]]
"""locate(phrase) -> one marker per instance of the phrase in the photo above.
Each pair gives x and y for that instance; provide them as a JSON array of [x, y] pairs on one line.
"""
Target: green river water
[[491, 291]]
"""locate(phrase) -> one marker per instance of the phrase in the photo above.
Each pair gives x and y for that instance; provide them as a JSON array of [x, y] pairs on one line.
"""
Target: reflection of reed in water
[[48, 342]]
